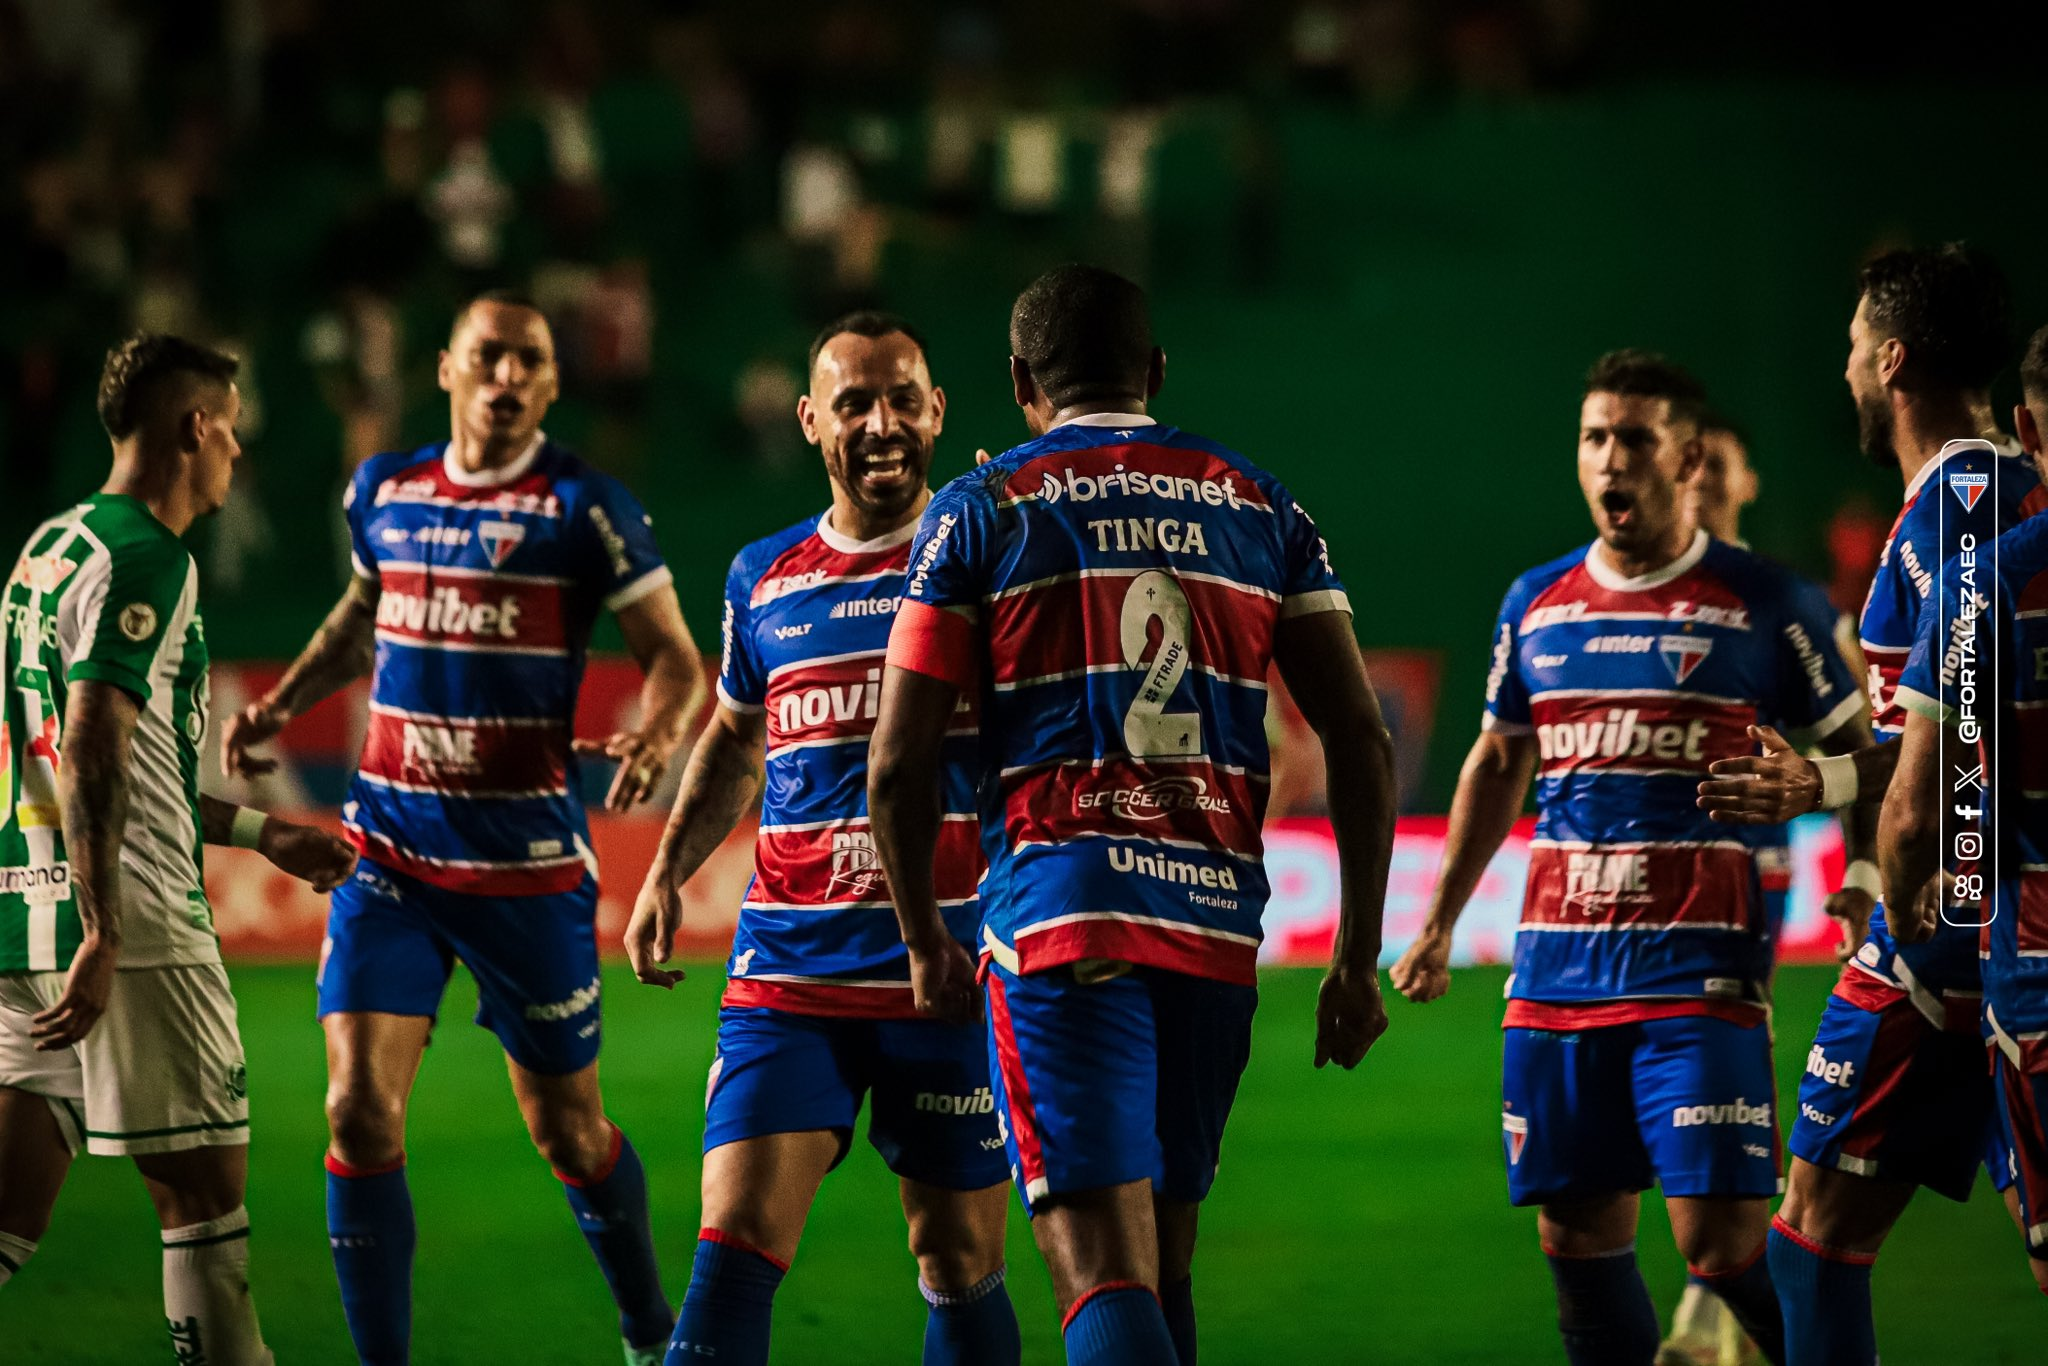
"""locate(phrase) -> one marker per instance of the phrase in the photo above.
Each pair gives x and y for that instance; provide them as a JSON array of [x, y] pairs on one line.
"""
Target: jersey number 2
[[1150, 731]]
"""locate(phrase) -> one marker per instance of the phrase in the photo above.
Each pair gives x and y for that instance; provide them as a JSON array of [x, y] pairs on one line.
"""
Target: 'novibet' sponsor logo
[[578, 1001], [1740, 1112], [980, 1101]]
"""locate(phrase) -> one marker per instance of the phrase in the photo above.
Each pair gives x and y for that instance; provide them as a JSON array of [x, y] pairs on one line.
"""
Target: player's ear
[[1022, 386], [1891, 358], [807, 418], [192, 427], [1691, 456], [938, 410], [445, 372], [1155, 373], [2027, 430]]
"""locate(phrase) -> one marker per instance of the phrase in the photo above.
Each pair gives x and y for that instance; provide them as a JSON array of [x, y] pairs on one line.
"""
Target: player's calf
[[1722, 1241], [606, 1188], [1177, 1221], [957, 1238], [208, 1310]]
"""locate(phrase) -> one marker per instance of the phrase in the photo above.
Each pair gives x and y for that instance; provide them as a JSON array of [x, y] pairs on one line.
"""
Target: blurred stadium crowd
[[688, 188]]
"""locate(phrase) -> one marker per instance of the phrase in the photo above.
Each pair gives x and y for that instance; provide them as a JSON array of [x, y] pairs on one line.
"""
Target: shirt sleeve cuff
[[121, 676], [1502, 726], [935, 642], [1920, 704], [733, 702], [655, 578], [1322, 600], [1847, 708]]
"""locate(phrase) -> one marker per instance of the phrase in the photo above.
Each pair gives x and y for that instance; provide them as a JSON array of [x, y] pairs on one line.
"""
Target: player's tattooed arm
[[1909, 832], [721, 783], [672, 688], [306, 852], [92, 802], [1319, 661], [341, 651], [1491, 789], [904, 813]]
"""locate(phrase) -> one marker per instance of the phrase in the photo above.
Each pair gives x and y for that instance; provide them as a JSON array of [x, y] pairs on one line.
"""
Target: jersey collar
[[846, 545], [490, 479], [1968, 443], [1656, 578], [1107, 420]]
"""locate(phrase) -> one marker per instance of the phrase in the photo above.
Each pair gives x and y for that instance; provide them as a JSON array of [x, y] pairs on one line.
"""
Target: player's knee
[[953, 1250], [575, 1145], [367, 1128]]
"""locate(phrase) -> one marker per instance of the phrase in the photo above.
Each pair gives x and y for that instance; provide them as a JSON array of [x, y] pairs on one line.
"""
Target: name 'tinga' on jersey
[[807, 619], [1125, 580], [1630, 688], [488, 585]]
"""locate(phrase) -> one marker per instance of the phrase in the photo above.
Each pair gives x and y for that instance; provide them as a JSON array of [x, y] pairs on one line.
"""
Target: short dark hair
[[1635, 373], [865, 322], [1950, 306], [139, 370], [510, 298], [1085, 333], [2034, 368]]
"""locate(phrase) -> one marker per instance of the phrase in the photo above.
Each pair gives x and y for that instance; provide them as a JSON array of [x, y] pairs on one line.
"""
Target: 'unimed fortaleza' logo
[[1182, 871]]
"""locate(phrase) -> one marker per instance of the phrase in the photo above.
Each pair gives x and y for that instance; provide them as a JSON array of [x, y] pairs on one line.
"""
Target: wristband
[[1838, 781], [247, 831], [1862, 876]]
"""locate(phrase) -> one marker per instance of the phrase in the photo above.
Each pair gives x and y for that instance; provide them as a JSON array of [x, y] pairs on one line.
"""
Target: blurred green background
[[1384, 241]]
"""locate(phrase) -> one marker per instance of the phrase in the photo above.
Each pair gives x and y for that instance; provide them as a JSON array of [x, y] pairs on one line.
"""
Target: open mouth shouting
[[883, 474], [1619, 508], [506, 409]]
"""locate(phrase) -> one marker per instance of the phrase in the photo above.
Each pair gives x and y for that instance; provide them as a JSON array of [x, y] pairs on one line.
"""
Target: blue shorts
[[1126, 1080], [931, 1113], [392, 940], [1685, 1103], [1887, 1095]]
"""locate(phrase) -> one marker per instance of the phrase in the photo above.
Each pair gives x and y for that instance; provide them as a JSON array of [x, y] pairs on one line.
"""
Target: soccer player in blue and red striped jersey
[[817, 1014], [1637, 1050], [1976, 728], [481, 563], [1895, 1096], [1112, 593]]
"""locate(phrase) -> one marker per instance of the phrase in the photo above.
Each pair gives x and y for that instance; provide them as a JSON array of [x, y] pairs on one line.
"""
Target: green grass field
[[1358, 1217]]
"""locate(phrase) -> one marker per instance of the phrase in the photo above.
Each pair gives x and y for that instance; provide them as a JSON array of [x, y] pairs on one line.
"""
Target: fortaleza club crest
[[1515, 1128], [500, 539], [1682, 654], [1968, 487]]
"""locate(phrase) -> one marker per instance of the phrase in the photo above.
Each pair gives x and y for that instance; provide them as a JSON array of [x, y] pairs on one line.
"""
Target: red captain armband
[[935, 642]]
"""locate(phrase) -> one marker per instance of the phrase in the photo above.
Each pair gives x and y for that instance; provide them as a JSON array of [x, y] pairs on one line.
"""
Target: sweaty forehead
[[1603, 409], [851, 361]]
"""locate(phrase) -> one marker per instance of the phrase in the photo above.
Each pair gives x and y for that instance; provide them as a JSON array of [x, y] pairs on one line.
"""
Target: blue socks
[[611, 1209], [726, 1312], [1604, 1310], [370, 1228], [1826, 1300], [971, 1327], [1753, 1300], [1118, 1323], [1177, 1300]]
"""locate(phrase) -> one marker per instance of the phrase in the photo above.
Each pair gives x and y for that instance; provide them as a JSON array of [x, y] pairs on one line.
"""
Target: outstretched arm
[[721, 782], [1773, 787], [904, 812], [341, 651], [92, 804], [1319, 660], [671, 689], [1491, 789], [306, 852]]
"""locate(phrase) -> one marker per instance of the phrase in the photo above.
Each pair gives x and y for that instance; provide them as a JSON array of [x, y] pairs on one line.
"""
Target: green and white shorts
[[161, 1071]]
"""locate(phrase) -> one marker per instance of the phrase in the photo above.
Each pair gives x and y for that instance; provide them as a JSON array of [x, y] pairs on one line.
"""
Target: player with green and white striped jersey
[[117, 1025]]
